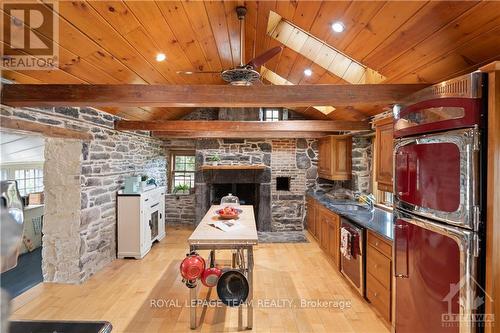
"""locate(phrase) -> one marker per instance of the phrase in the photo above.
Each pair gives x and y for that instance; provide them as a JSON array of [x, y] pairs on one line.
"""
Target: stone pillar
[[61, 224]]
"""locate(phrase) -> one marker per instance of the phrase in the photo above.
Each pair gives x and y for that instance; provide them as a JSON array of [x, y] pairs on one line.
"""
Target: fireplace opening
[[248, 194]]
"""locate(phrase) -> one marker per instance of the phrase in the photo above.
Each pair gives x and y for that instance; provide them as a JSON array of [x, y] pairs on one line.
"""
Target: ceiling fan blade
[[197, 72], [262, 58]]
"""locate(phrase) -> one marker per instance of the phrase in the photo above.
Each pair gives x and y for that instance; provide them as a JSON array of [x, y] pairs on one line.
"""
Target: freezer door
[[437, 176], [435, 280]]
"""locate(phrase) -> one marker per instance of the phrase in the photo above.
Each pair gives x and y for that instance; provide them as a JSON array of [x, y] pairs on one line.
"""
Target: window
[[271, 115], [182, 169], [388, 199], [29, 177]]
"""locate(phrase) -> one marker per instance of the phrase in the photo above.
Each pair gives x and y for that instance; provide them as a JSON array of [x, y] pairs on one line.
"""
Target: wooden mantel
[[233, 167], [132, 95]]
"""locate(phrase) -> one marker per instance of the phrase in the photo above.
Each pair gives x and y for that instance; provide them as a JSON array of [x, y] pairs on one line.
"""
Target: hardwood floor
[[123, 294]]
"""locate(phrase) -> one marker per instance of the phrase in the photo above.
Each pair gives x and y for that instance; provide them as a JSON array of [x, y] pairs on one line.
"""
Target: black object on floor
[[32, 326], [26, 275]]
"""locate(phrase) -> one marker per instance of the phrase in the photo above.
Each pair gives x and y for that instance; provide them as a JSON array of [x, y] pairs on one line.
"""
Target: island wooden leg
[[192, 308], [250, 285], [192, 303]]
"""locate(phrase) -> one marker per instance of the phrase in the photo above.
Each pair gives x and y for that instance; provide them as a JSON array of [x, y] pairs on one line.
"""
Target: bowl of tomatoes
[[228, 212]]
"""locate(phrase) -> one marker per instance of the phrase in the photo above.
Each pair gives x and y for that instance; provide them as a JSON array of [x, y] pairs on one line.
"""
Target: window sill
[[178, 194]]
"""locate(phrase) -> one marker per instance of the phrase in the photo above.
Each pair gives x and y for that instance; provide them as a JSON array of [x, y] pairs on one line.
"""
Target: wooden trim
[[98, 95], [243, 126], [46, 130], [172, 153], [493, 195], [233, 167], [238, 135], [383, 121]]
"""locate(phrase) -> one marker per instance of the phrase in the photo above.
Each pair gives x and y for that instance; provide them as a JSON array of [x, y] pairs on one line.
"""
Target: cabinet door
[[333, 239], [323, 229], [384, 166], [325, 157], [342, 157], [311, 217]]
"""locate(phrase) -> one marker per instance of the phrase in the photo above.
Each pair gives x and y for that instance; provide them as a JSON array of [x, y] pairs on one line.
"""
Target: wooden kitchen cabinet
[[335, 157], [329, 223], [379, 274], [384, 161], [311, 217]]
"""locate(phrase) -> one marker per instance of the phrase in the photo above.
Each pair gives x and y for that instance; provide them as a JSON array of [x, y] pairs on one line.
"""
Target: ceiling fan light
[[338, 26], [308, 72], [161, 57]]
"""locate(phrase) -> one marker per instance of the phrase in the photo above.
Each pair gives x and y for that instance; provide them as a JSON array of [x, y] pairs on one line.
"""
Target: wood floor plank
[[122, 293]]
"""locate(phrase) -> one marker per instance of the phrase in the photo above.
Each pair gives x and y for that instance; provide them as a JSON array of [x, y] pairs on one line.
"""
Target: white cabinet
[[140, 222]]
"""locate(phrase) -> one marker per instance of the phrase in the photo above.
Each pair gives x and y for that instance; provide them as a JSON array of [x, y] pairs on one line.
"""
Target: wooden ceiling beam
[[238, 135], [203, 95], [45, 130], [243, 126]]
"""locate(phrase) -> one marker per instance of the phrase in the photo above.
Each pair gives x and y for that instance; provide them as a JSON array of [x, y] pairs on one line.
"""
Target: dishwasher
[[352, 261]]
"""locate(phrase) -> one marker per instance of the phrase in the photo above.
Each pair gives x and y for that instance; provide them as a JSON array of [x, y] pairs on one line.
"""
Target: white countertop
[[207, 234]]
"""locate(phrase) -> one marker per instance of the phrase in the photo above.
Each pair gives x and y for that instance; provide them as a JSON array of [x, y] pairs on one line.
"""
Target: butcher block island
[[240, 240]]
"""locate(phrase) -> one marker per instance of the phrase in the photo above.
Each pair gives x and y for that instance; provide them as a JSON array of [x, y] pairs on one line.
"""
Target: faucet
[[368, 199]]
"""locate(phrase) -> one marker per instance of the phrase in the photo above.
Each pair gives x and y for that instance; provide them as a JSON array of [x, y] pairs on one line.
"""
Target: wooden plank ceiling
[[115, 42]]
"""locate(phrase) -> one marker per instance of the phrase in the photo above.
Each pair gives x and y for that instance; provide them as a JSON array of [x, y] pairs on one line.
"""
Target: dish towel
[[345, 243]]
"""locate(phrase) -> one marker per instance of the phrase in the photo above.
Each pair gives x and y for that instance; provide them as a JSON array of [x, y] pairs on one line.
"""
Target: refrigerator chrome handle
[[404, 272]]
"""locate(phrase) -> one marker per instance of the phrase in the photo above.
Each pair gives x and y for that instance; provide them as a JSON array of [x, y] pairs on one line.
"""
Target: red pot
[[192, 266], [211, 274]]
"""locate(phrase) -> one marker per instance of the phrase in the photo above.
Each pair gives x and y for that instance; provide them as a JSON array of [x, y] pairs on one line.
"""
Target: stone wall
[[61, 222], [294, 158], [105, 161], [362, 148], [180, 209]]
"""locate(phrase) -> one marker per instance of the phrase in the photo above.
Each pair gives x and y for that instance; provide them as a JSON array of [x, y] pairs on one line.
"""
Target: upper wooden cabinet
[[383, 150], [335, 157]]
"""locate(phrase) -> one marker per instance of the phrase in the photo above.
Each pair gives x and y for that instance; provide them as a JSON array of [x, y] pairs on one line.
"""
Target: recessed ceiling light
[[161, 57], [338, 26], [307, 72]]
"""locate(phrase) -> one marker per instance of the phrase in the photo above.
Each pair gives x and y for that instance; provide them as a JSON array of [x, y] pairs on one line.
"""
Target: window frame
[[11, 168], [272, 119], [171, 167]]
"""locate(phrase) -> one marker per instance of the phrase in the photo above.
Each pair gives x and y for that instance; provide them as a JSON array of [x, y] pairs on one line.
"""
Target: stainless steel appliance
[[439, 185], [353, 263]]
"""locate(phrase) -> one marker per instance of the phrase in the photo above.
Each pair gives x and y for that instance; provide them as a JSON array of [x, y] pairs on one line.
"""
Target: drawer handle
[[375, 294], [376, 243], [375, 266]]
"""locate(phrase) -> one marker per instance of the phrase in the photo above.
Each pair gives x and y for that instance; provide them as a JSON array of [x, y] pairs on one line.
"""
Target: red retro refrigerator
[[438, 230]]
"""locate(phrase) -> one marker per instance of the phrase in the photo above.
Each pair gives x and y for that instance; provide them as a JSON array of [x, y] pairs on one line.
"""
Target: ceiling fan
[[244, 74]]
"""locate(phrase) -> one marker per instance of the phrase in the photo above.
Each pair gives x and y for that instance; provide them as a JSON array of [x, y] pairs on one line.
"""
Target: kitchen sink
[[350, 207]]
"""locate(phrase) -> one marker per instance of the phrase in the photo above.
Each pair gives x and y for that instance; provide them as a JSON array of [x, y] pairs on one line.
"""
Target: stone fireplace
[[252, 187]]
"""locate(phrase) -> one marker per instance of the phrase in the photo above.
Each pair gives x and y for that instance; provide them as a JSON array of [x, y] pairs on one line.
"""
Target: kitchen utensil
[[225, 213], [232, 288], [211, 275], [230, 200], [192, 266]]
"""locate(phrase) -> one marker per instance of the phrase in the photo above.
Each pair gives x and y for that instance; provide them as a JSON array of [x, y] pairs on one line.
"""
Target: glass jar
[[230, 200]]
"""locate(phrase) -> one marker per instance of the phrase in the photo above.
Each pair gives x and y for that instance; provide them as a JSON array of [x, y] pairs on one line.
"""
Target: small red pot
[[211, 274], [192, 267]]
